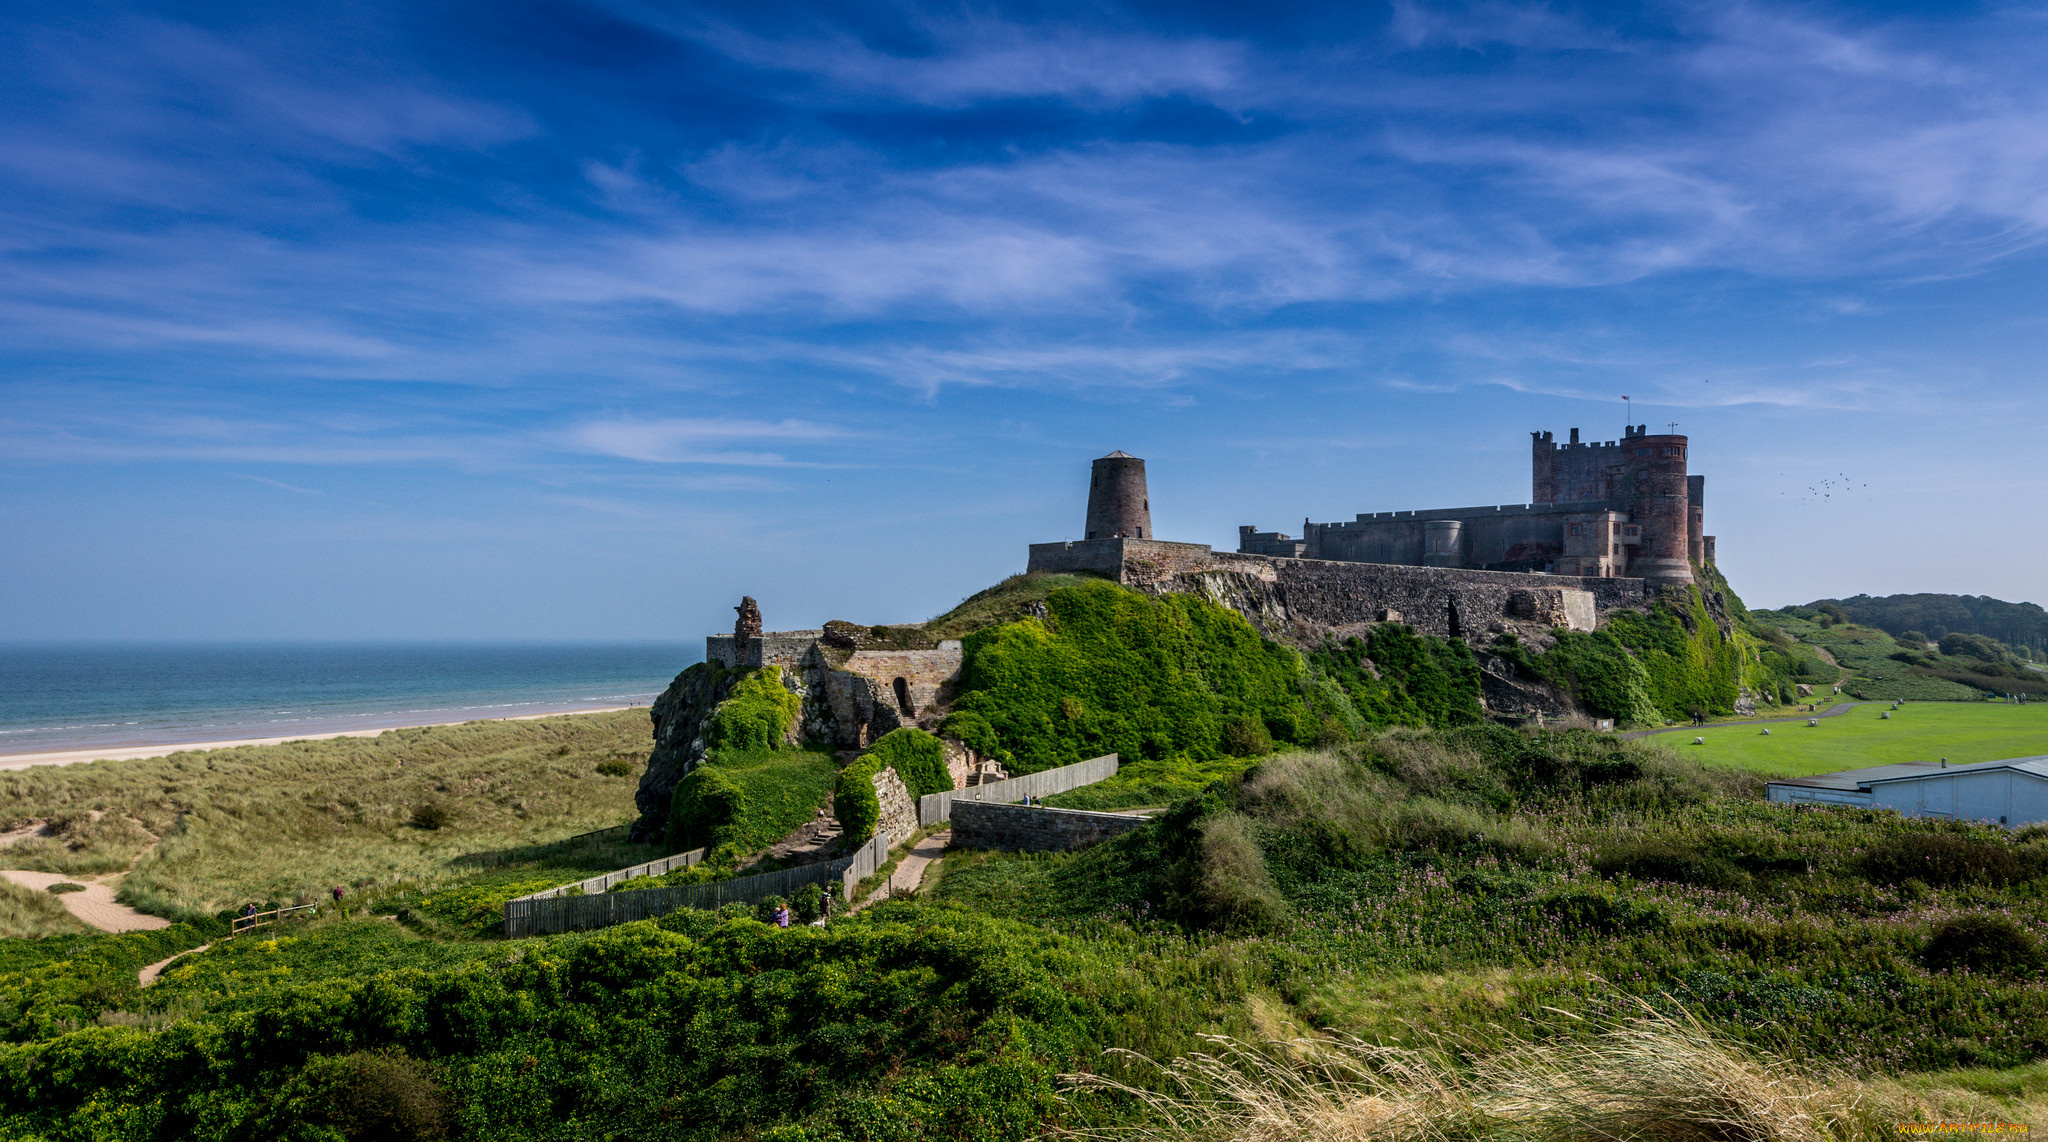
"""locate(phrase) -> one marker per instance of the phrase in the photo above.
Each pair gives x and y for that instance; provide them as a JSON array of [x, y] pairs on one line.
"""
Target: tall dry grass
[[32, 912], [211, 830], [1653, 1077]]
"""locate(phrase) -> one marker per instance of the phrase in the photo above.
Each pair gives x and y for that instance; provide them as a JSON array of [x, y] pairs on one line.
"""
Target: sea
[[108, 696]]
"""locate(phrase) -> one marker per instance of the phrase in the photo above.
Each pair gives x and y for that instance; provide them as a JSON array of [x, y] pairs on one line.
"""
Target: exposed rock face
[[679, 716]]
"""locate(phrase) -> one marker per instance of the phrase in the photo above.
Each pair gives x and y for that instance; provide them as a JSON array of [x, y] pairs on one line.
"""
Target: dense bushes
[[854, 802], [749, 801], [1396, 677], [1948, 859], [1983, 942], [707, 800], [917, 757], [919, 760], [1113, 671], [755, 715]]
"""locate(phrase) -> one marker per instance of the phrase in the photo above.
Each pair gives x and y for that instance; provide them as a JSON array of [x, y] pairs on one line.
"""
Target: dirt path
[[155, 971], [911, 869], [1834, 711], [96, 905]]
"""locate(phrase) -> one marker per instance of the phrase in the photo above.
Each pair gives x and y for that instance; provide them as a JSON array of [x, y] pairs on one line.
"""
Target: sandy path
[[96, 905], [155, 971], [132, 753], [911, 868]]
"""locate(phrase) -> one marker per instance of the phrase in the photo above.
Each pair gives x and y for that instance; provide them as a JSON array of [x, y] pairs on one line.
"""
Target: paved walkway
[[1834, 711], [911, 868], [96, 905]]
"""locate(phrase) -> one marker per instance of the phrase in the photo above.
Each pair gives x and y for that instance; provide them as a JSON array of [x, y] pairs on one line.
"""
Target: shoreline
[[13, 761]]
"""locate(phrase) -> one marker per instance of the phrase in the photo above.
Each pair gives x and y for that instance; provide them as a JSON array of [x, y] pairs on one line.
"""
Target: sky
[[577, 321]]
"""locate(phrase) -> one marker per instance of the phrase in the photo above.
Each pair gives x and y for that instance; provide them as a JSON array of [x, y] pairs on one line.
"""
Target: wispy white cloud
[[700, 441]]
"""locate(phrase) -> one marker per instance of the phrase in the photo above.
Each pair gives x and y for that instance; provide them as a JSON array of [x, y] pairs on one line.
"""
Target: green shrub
[[1987, 943], [615, 767], [64, 886], [1246, 737], [976, 733], [432, 815], [755, 715], [917, 757], [706, 803], [382, 1095], [854, 801], [1114, 671], [1666, 858], [1946, 859]]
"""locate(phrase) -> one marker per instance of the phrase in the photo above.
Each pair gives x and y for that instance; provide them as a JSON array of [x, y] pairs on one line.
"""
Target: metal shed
[[2012, 792]]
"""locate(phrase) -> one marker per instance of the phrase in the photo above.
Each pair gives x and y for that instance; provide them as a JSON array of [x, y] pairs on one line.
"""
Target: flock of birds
[[1827, 489]]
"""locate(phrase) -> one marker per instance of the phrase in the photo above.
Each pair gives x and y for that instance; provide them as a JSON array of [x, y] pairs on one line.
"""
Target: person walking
[[782, 915]]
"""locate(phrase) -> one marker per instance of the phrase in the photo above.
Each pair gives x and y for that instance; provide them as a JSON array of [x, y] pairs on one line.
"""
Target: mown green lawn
[[1919, 731]]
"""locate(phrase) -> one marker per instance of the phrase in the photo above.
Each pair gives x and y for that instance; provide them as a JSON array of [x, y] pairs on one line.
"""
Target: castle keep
[[1622, 509]]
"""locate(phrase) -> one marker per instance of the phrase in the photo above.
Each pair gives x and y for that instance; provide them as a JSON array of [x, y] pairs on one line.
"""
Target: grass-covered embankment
[[1477, 886], [215, 829]]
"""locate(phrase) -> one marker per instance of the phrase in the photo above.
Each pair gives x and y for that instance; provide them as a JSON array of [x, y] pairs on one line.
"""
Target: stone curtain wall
[[933, 808], [1299, 599], [1021, 828]]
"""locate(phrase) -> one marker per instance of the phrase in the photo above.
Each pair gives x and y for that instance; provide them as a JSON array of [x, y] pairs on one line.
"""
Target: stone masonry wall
[[1300, 599], [991, 825], [899, 812], [924, 673]]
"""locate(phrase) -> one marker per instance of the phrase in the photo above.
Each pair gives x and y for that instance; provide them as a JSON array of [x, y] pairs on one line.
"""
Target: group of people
[[781, 914]]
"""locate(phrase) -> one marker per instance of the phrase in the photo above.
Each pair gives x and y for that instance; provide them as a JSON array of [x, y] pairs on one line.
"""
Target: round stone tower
[[1117, 505], [1659, 500]]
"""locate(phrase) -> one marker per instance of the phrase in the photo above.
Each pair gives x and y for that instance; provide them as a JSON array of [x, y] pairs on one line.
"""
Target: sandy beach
[[129, 753]]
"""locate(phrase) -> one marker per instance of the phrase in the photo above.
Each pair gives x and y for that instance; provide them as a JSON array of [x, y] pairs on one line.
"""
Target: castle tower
[[1659, 499], [1117, 503]]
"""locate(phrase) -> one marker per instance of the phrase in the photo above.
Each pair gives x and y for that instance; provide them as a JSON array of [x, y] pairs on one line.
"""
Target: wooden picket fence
[[934, 808], [557, 910]]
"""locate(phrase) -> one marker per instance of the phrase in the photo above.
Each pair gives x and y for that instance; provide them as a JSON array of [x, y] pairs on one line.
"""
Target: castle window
[[1578, 529]]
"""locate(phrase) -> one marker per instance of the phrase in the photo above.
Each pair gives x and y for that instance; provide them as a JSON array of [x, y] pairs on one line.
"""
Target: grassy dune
[[210, 830], [1921, 731]]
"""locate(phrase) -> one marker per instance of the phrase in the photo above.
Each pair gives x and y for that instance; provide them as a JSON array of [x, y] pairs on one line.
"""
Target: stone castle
[[1609, 525], [1622, 509]]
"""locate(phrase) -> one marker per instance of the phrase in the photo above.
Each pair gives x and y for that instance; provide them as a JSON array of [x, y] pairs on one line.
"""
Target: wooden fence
[[932, 808], [554, 911], [597, 884], [247, 923]]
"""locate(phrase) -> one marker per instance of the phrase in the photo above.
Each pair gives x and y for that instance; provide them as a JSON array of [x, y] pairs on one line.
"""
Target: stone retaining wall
[[1034, 828]]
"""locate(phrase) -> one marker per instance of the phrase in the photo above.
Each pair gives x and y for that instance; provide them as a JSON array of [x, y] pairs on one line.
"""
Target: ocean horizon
[[62, 697]]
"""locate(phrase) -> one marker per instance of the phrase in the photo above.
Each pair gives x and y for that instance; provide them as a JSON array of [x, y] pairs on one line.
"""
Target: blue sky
[[570, 321]]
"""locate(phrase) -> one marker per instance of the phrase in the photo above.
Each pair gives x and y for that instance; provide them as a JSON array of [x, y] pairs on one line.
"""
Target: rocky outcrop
[[679, 717]]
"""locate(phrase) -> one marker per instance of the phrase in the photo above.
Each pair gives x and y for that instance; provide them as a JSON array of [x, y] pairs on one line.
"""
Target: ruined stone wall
[[778, 648], [899, 811], [925, 674], [992, 825]]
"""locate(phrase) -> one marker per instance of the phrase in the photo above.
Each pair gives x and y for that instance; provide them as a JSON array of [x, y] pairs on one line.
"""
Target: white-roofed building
[[2012, 792]]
